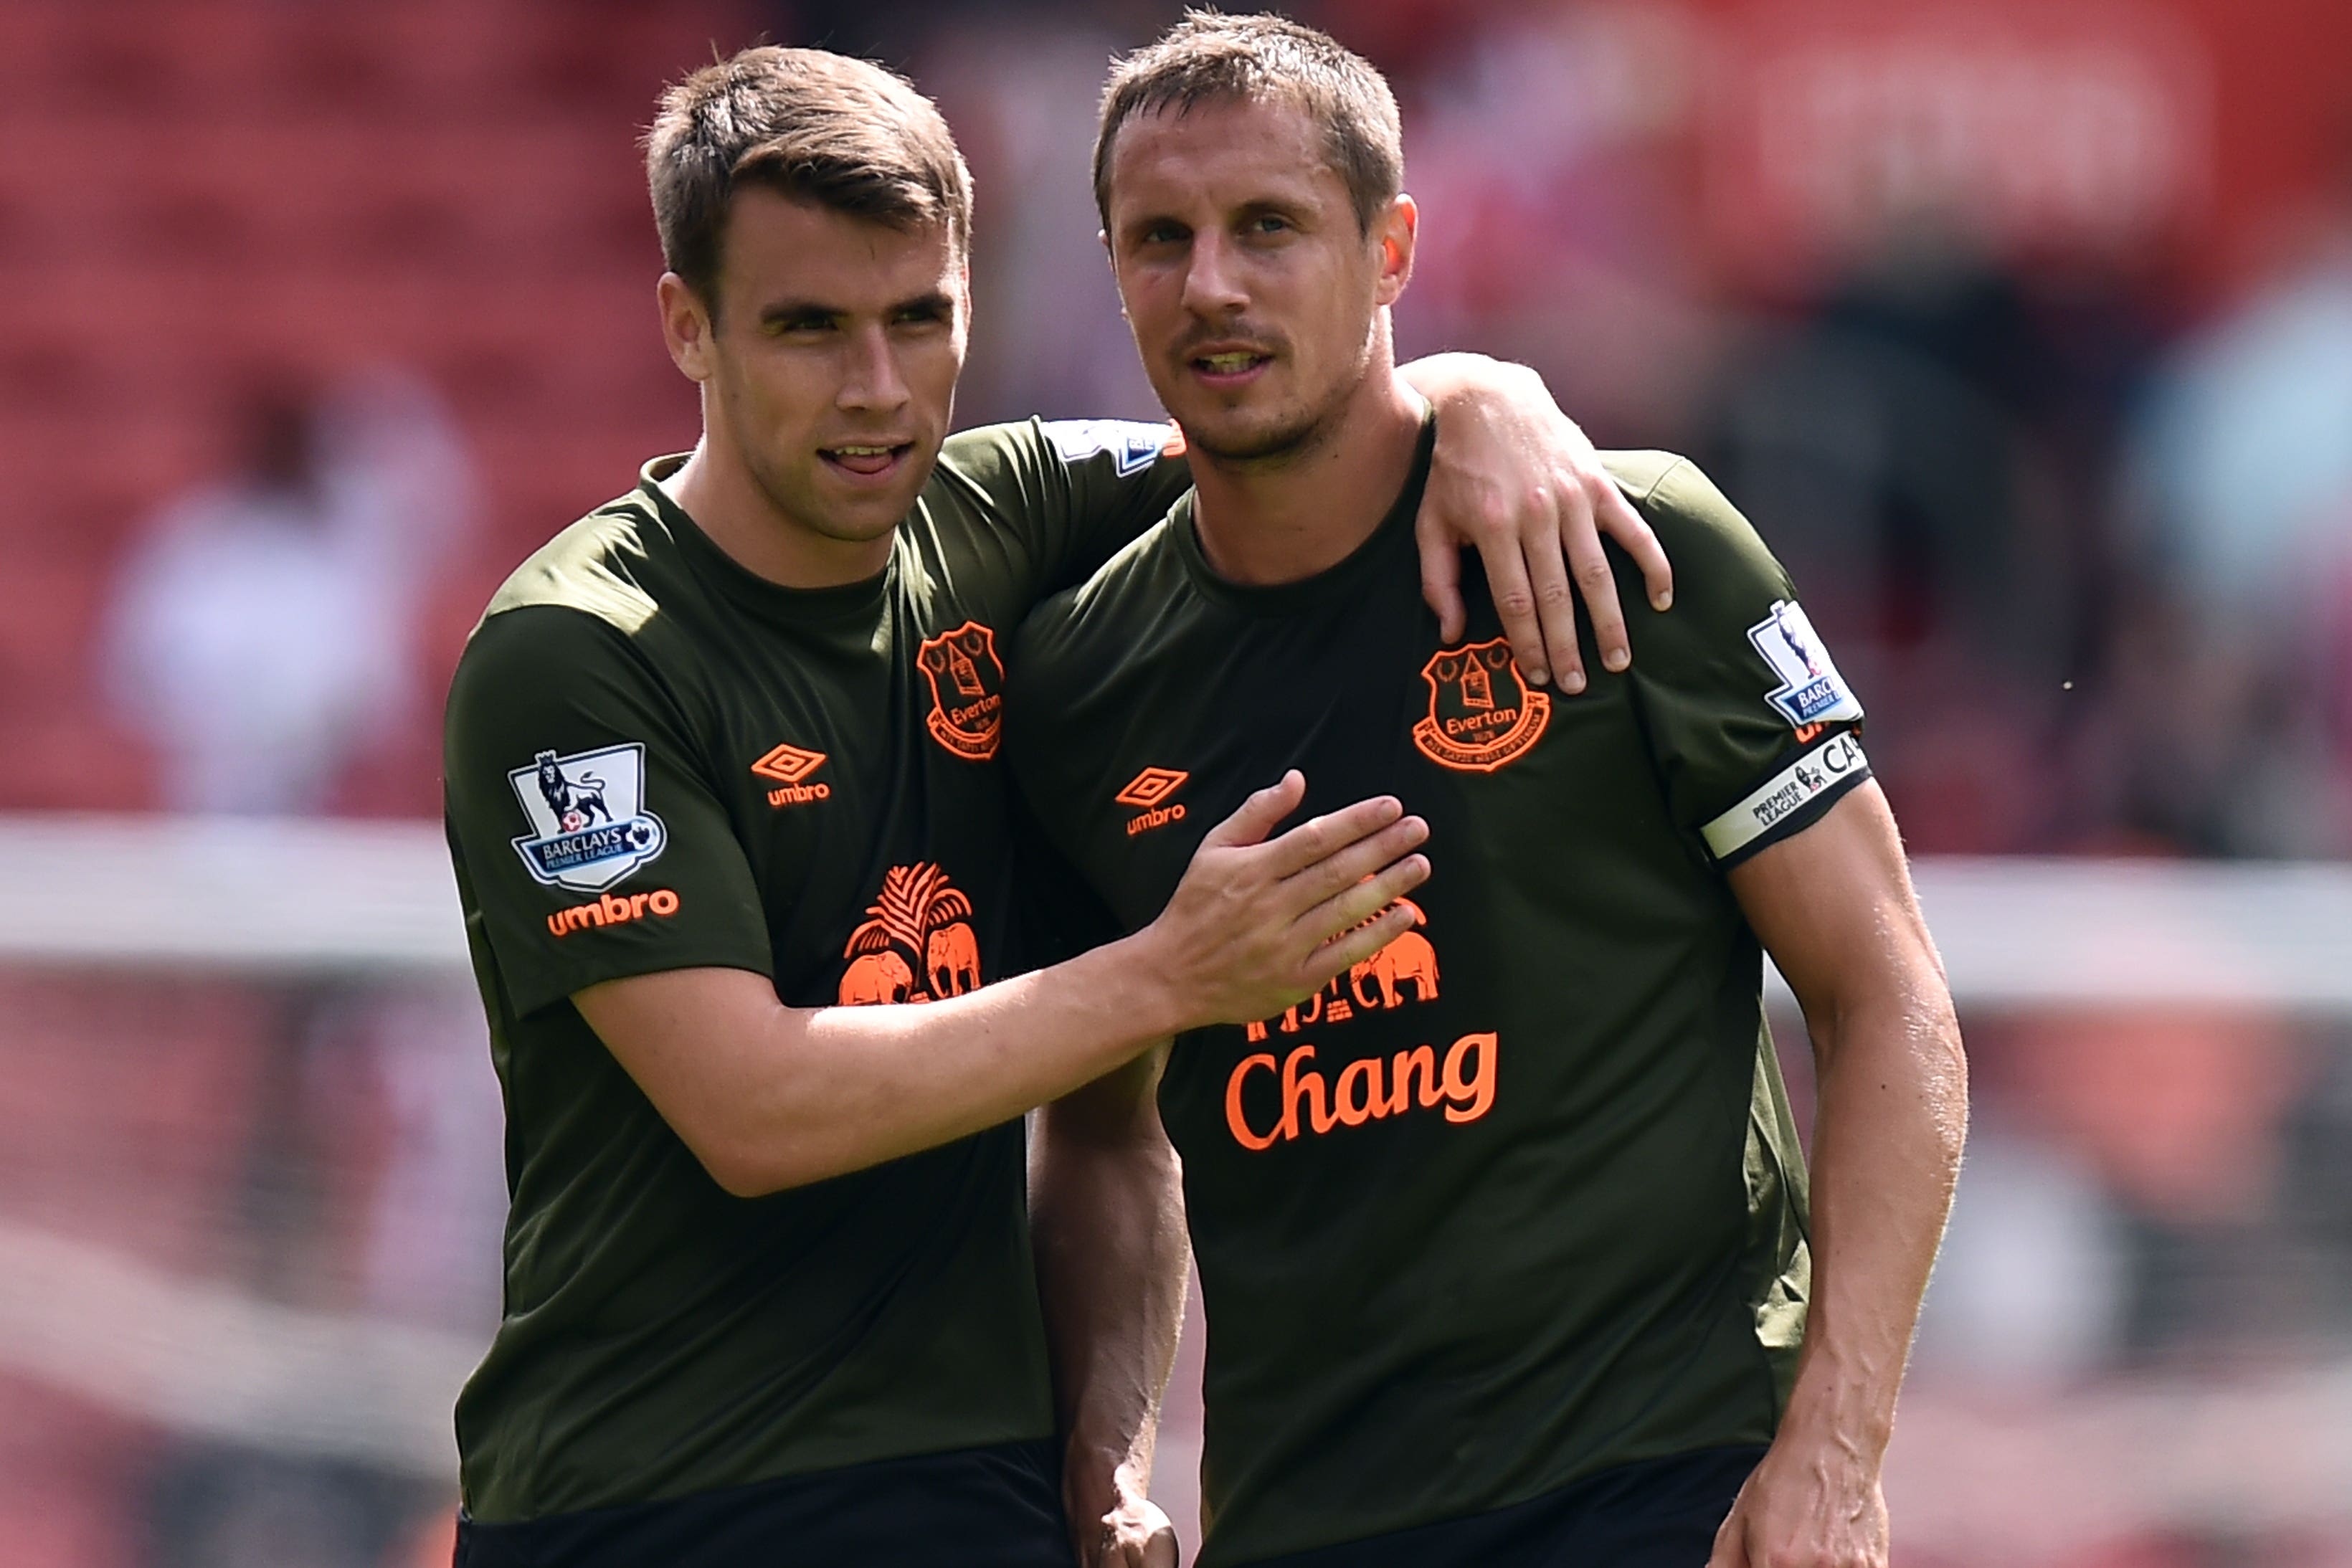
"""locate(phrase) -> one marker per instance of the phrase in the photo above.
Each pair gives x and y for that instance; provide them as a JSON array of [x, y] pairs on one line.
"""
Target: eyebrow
[[1275, 206], [1259, 206], [937, 301]]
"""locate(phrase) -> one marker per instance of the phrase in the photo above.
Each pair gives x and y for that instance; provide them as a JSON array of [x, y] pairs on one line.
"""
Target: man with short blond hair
[[1503, 1235]]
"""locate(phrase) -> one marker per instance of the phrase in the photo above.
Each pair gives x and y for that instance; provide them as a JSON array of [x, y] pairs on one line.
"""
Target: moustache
[[1235, 334]]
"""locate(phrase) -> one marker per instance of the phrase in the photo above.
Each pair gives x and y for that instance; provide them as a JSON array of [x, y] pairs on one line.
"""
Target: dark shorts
[[1659, 1513], [980, 1508]]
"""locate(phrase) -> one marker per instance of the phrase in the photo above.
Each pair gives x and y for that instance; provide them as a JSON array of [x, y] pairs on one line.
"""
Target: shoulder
[[989, 457], [1106, 613], [568, 617], [1720, 561], [1672, 492], [597, 567], [984, 452]]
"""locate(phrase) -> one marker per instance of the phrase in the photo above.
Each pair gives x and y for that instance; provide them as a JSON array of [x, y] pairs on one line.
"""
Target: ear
[[1395, 230], [685, 328]]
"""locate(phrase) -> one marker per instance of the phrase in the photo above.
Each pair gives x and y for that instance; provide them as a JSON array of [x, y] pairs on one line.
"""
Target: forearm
[[1109, 1226], [778, 1097], [769, 1097], [1892, 1114]]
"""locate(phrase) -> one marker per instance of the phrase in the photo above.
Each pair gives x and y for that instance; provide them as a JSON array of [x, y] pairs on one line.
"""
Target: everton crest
[[1481, 713], [967, 690], [587, 812]]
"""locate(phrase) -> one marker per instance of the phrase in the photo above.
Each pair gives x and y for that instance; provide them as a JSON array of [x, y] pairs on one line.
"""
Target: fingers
[[1351, 947], [1262, 812], [1320, 838], [1595, 581], [1159, 1551], [1440, 585], [1346, 867], [1547, 545], [1369, 900], [1615, 516], [1514, 604], [1731, 1536]]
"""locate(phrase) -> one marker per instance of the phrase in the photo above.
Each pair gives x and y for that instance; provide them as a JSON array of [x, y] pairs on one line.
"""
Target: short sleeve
[[1753, 729], [590, 843], [1076, 490]]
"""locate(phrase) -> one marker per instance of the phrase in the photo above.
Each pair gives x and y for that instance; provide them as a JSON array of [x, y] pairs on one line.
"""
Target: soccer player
[[1504, 1234], [725, 803]]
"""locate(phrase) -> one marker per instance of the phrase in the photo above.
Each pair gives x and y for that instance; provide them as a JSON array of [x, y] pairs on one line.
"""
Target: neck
[[1270, 520], [717, 490]]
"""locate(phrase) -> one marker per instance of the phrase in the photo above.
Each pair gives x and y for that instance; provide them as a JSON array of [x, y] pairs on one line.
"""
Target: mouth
[[1223, 367], [866, 462]]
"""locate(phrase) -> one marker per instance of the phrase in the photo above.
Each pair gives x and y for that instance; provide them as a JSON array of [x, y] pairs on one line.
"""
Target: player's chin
[[869, 503], [1243, 436]]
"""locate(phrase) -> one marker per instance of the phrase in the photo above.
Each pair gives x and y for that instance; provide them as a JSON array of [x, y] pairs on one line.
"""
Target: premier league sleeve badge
[[1810, 690], [587, 812]]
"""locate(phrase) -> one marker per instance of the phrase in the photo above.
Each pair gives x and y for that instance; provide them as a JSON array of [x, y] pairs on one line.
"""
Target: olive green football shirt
[[1519, 1198], [655, 760]]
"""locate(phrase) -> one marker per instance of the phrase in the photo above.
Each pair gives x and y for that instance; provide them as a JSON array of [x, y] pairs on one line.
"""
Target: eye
[[806, 324], [1161, 234]]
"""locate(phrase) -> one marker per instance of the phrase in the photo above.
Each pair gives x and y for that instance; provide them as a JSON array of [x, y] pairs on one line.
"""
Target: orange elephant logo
[[874, 977], [951, 960], [916, 944], [1407, 964], [1409, 960]]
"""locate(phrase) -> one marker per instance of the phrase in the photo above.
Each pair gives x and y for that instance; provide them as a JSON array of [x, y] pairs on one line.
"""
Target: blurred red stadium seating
[[207, 190]]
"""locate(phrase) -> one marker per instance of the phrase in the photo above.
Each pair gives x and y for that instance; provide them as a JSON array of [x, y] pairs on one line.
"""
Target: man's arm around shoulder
[[1835, 907]]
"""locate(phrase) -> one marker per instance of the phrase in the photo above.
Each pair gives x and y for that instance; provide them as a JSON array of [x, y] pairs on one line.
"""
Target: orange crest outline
[[1482, 712], [967, 690]]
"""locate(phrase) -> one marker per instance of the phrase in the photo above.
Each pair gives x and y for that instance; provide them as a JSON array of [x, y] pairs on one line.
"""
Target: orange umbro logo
[[788, 765], [1152, 786], [1148, 790]]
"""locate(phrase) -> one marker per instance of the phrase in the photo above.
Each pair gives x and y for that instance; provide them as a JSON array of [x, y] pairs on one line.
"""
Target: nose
[[871, 381], [1213, 278]]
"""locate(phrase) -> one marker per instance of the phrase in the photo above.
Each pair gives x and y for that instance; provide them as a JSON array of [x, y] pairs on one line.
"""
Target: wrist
[[1847, 1432], [1151, 998], [1100, 1479]]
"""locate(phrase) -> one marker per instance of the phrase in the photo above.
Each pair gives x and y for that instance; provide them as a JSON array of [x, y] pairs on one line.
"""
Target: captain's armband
[[1793, 799]]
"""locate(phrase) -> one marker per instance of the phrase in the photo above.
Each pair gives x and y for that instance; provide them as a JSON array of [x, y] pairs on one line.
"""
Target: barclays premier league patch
[[587, 811], [1810, 690], [1133, 446]]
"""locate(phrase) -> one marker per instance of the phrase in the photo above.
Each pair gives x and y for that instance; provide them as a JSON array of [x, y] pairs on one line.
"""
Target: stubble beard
[[1292, 434]]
